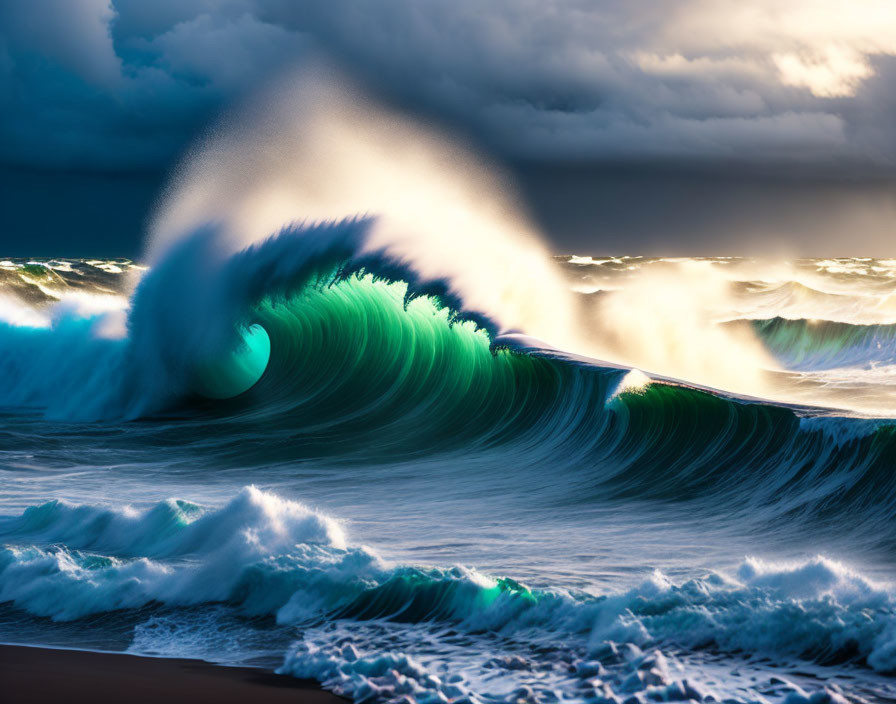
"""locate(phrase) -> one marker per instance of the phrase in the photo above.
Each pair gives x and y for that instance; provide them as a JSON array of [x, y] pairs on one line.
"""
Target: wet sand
[[48, 675]]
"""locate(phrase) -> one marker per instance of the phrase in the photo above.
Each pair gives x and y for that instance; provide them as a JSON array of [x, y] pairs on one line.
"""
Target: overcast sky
[[673, 126]]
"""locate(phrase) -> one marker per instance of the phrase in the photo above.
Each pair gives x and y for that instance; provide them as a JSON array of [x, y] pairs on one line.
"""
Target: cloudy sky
[[655, 126]]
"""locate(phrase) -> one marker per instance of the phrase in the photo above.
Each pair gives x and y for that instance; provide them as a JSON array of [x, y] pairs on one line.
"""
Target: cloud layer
[[126, 84]]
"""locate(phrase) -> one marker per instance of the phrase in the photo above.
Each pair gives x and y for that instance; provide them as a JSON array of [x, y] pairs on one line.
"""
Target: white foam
[[632, 382], [102, 559], [261, 554]]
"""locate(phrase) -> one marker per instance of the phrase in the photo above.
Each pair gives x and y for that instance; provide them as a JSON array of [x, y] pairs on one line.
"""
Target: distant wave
[[873, 304], [824, 344]]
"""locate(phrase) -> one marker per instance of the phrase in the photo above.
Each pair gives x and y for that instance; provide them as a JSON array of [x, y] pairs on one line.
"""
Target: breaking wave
[[264, 555]]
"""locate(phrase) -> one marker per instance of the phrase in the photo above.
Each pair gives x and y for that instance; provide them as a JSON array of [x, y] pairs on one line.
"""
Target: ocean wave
[[366, 359], [261, 554], [67, 562], [823, 344], [815, 299]]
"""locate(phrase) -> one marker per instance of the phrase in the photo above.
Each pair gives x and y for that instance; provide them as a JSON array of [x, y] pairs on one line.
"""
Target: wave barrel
[[237, 370]]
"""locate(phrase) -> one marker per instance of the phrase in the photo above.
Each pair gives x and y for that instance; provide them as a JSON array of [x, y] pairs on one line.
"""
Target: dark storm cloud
[[88, 84], [586, 80], [639, 108], [125, 83]]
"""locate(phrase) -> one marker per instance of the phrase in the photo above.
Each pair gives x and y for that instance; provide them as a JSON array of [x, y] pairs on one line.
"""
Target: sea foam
[[267, 555]]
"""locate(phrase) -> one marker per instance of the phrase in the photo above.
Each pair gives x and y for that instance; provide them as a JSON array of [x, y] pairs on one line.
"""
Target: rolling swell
[[824, 344]]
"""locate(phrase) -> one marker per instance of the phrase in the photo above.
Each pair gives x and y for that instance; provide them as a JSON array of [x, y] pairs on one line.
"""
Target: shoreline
[[35, 674]]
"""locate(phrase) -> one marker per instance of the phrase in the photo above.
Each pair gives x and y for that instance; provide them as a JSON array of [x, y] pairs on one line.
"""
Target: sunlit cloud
[[825, 46], [834, 73]]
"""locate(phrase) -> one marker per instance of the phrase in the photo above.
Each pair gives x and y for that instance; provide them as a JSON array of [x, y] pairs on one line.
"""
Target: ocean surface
[[308, 454]]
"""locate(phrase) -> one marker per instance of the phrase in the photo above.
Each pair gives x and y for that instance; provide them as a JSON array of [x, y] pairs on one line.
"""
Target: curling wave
[[365, 360]]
